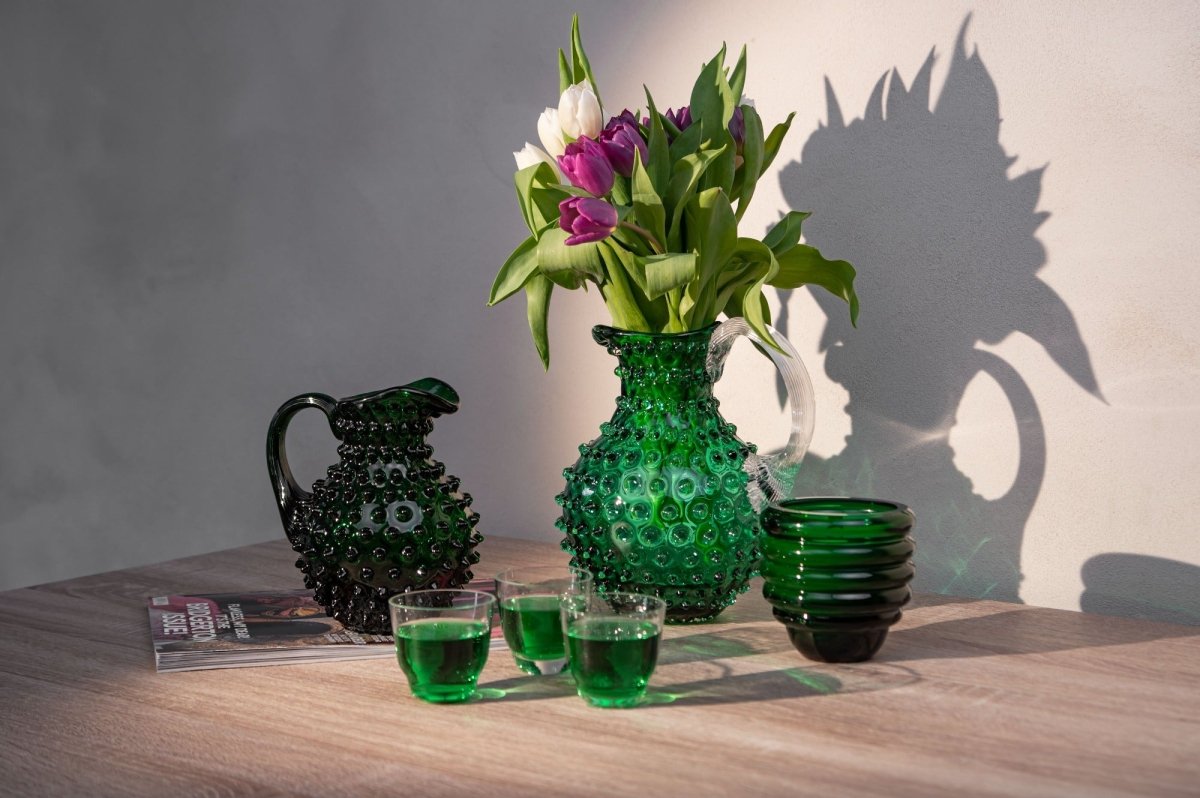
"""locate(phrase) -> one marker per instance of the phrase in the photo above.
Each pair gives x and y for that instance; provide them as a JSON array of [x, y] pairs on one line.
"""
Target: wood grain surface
[[967, 697]]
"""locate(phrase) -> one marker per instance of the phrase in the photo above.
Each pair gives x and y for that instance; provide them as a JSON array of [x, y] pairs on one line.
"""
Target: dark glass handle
[[287, 492]]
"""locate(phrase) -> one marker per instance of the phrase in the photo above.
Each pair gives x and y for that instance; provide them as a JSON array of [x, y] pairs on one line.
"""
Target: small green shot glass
[[442, 641], [529, 613], [612, 645]]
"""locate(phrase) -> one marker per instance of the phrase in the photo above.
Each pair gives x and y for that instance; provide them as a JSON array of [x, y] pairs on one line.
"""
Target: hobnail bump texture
[[837, 572], [658, 504], [387, 518]]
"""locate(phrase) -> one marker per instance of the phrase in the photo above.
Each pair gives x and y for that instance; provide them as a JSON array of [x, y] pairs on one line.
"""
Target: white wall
[[209, 208]]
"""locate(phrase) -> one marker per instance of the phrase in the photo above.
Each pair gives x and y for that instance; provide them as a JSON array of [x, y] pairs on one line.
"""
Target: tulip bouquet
[[647, 208]]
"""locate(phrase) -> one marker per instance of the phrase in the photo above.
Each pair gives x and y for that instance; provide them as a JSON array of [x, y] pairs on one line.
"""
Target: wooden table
[[967, 697]]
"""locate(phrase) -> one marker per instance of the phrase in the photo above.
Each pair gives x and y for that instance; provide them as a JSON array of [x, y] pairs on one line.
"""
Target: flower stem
[[646, 234]]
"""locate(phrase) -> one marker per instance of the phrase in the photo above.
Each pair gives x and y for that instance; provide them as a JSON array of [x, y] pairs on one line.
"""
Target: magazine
[[242, 630]]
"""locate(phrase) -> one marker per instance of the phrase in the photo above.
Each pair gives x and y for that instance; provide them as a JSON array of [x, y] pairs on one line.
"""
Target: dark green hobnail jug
[[667, 500], [387, 518], [837, 572]]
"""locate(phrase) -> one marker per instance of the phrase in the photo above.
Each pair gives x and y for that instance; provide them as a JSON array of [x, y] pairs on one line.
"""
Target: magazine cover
[[235, 630]]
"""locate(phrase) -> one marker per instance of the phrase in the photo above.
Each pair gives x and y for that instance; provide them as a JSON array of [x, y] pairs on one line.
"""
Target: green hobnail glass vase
[[386, 518], [667, 500], [837, 573]]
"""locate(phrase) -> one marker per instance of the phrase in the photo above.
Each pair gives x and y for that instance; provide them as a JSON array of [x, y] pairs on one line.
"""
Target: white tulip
[[550, 132], [530, 155], [579, 111]]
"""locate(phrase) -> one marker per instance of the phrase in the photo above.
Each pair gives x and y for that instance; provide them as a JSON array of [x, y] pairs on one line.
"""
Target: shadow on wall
[[944, 241], [1137, 586]]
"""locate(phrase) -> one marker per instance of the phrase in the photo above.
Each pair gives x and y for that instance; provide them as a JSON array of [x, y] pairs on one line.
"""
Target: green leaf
[[582, 67], [632, 241], [712, 99], [669, 126], [620, 300], [805, 265], [564, 72], [516, 271], [711, 231], [754, 306], [620, 190], [570, 190], [537, 310], [685, 143], [752, 158], [659, 162], [727, 290], [786, 232], [648, 209], [568, 266], [617, 258], [737, 78], [667, 272], [685, 176], [533, 211], [771, 148], [545, 200], [722, 169], [674, 318], [752, 262], [755, 312]]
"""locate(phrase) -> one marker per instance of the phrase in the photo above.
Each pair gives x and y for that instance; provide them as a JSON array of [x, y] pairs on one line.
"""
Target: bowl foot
[[837, 646]]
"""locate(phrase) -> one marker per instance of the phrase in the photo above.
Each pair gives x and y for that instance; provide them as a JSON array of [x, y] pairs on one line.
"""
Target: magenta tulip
[[737, 127], [621, 140], [587, 166], [586, 219], [682, 118]]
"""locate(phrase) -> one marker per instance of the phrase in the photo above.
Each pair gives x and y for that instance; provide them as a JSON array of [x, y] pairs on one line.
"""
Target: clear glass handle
[[771, 476]]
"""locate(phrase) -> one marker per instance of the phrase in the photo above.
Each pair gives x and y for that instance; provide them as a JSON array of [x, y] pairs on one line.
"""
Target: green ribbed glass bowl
[[837, 572]]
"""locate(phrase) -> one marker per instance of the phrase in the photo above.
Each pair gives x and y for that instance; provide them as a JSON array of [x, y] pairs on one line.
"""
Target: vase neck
[[660, 367]]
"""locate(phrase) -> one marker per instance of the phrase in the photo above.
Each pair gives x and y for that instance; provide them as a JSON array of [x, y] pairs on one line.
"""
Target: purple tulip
[[586, 219], [682, 118], [737, 127], [587, 166], [626, 116], [620, 141]]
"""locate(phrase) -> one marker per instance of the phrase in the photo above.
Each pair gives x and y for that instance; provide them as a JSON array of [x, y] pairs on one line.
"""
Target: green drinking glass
[[529, 613], [612, 645], [442, 640]]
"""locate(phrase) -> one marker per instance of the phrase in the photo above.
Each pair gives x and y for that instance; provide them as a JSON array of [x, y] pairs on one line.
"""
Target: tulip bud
[[550, 132], [682, 118], [737, 127], [586, 166], [621, 140], [626, 116], [579, 111], [529, 155], [586, 219]]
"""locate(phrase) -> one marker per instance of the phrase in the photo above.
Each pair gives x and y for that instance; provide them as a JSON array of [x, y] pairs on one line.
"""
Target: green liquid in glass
[[533, 630], [612, 659], [442, 657]]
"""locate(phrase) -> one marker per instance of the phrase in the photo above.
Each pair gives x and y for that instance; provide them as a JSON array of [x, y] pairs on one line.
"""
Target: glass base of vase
[[677, 615]]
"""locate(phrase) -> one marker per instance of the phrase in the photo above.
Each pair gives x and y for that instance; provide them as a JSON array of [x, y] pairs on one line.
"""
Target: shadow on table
[[1019, 631], [741, 641], [723, 686], [528, 688], [795, 682]]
